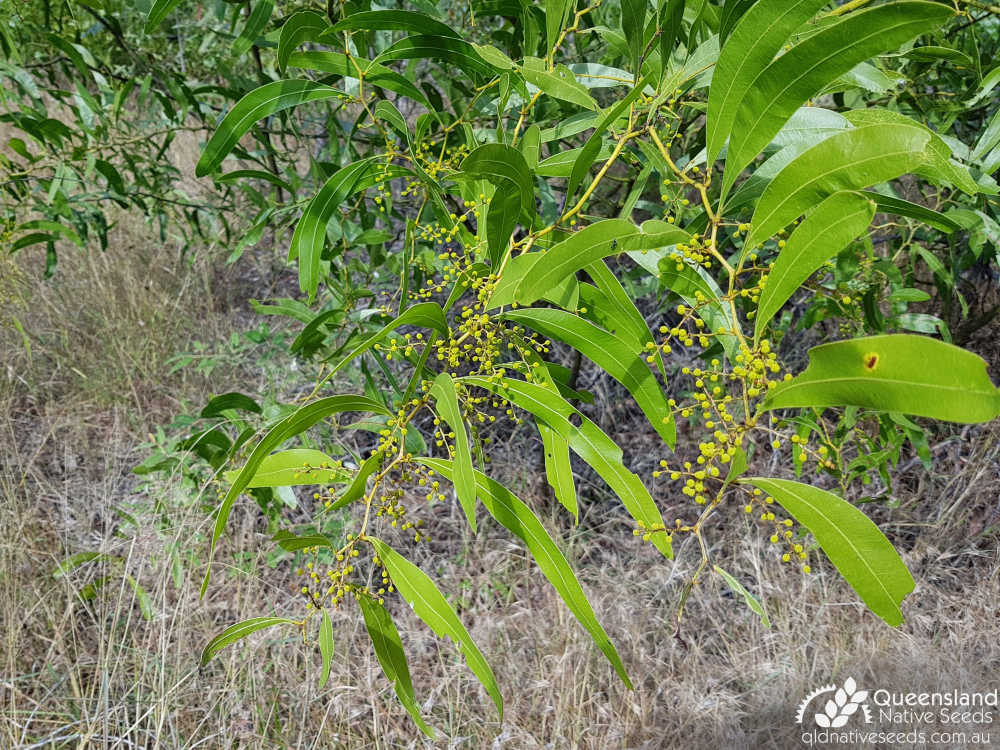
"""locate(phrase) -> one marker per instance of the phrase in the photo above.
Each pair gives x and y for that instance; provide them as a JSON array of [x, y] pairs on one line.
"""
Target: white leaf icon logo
[[831, 709], [822, 721], [860, 696], [840, 697], [839, 721], [849, 709], [850, 686]]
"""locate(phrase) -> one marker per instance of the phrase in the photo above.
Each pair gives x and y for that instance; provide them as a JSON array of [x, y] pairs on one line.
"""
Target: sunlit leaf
[[430, 605], [514, 515], [854, 544], [897, 372], [239, 631]]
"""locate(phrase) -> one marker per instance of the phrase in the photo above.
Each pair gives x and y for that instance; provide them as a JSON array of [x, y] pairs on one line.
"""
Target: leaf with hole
[[896, 372]]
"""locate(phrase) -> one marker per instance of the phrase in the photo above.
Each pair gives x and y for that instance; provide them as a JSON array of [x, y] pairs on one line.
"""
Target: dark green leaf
[[389, 651], [303, 26], [232, 400]]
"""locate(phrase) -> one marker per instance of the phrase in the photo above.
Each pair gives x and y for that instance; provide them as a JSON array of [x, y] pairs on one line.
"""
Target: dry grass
[[98, 674]]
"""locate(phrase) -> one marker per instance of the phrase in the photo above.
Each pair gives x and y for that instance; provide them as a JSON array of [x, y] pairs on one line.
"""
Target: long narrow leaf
[[514, 515], [854, 544], [430, 606]]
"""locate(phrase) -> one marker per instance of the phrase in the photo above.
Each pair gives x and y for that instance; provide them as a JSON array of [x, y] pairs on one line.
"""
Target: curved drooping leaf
[[608, 237], [256, 22], [788, 82], [293, 467], [750, 599], [827, 230], [301, 27], [325, 646], [588, 442], [670, 20], [423, 314], [731, 13], [389, 652], [614, 304], [239, 631], [450, 49], [394, 20], [894, 373], [856, 547], [512, 513], [633, 20], [310, 233], [293, 543], [754, 41], [559, 83], [602, 309], [848, 160], [558, 469], [339, 64], [556, 15], [158, 12], [565, 294], [502, 165], [356, 489], [260, 103], [561, 163], [232, 400], [938, 166], [443, 393], [56, 228], [142, 597], [430, 606], [254, 174], [300, 421], [611, 353], [507, 170]]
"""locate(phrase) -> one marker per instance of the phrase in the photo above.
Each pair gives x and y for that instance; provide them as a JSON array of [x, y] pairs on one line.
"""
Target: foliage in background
[[462, 189]]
